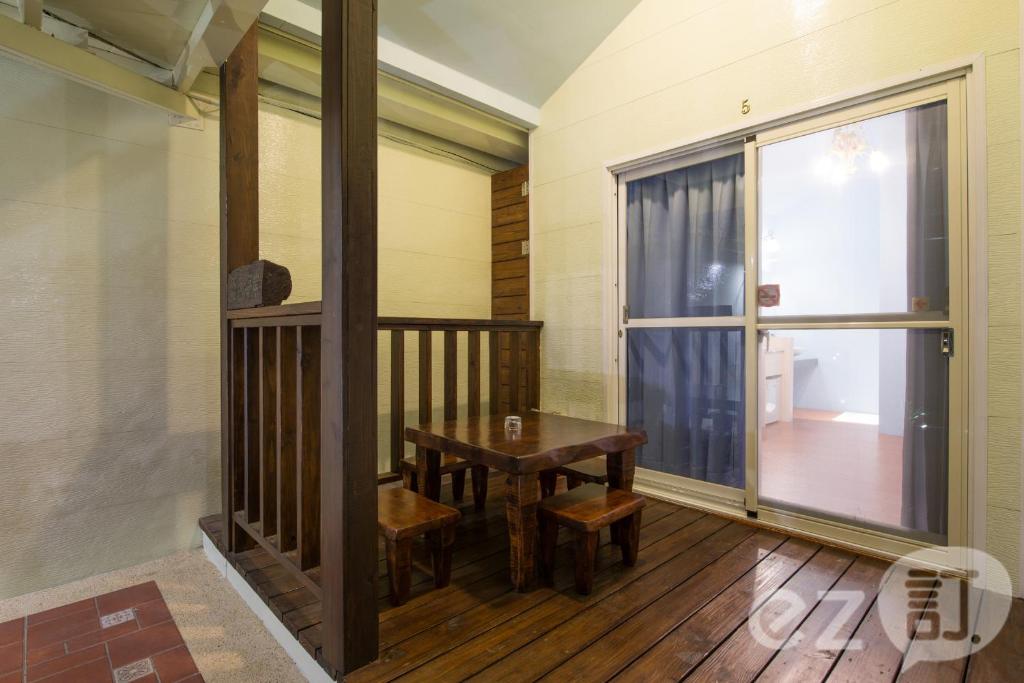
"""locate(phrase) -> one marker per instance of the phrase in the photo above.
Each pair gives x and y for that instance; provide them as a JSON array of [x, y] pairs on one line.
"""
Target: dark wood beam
[[349, 334], [239, 232]]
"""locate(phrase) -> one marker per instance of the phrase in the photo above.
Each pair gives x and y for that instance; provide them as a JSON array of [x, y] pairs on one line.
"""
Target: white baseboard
[[308, 666]]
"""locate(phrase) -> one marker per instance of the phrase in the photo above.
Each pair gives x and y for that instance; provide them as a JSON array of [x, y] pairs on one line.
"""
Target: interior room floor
[[844, 468], [681, 612]]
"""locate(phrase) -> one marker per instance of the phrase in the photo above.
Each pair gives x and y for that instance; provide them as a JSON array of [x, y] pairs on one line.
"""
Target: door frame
[[975, 282]]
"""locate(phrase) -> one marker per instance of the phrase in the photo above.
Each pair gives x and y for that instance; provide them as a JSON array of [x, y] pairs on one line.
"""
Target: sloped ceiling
[[524, 48], [155, 30]]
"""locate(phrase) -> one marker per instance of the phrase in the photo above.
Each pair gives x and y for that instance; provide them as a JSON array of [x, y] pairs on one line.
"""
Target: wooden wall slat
[[473, 373], [515, 213], [511, 178], [397, 398], [516, 286], [514, 232], [451, 375], [425, 377], [287, 406], [507, 196], [508, 269], [510, 305], [308, 340], [506, 252], [268, 430]]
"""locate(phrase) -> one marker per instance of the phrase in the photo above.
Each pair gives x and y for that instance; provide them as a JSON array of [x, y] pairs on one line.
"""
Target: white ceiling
[[526, 48], [156, 30], [523, 48]]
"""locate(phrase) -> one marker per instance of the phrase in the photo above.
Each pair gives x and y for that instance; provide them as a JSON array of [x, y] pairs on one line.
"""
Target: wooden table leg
[[620, 476], [522, 497], [620, 469], [428, 472]]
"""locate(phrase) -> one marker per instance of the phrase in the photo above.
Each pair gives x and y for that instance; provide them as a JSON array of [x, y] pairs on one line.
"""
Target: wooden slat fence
[[274, 443]]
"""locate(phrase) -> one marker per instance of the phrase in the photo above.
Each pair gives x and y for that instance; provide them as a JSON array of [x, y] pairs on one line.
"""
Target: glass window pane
[[685, 387], [854, 220], [684, 241], [857, 426]]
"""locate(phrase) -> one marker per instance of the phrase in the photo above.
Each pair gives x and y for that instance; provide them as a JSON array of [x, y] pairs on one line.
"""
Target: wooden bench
[[402, 516], [592, 471], [586, 510], [457, 468]]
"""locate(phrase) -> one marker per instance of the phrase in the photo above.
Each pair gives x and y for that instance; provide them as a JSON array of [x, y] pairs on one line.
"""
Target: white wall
[[674, 71], [109, 370]]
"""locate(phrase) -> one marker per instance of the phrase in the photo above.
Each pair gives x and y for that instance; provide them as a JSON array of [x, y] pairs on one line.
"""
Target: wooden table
[[545, 442]]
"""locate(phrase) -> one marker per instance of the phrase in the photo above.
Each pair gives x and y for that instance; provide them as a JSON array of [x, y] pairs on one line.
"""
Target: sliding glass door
[[682, 320], [793, 319]]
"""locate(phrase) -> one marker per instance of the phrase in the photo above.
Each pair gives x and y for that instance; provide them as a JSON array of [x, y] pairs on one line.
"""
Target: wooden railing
[[274, 444]]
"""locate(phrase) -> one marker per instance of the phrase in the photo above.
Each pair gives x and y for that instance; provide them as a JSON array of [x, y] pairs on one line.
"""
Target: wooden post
[[348, 377], [239, 236]]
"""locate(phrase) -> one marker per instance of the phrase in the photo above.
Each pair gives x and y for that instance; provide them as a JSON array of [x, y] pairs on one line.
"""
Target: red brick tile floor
[[127, 635]]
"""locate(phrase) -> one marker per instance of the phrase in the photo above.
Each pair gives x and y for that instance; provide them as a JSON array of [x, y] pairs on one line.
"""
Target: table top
[[546, 440]]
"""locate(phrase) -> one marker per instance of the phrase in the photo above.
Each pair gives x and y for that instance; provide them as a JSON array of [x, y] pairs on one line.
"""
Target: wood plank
[[810, 657], [876, 659], [740, 656], [504, 270], [533, 370], [349, 332], [426, 367], [1003, 659], [687, 584], [508, 196], [252, 425], [516, 213], [308, 488], [517, 286], [397, 448], [526, 626], [622, 647], [287, 445], [919, 662], [508, 251], [473, 373], [493, 342], [511, 178], [268, 430], [236, 472], [450, 374], [415, 645], [510, 305], [239, 244], [515, 396], [513, 232]]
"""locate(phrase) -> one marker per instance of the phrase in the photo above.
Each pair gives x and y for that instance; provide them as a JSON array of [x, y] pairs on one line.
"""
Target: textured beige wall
[[109, 403], [674, 70]]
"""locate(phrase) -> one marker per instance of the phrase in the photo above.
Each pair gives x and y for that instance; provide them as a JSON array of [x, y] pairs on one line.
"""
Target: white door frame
[[973, 69]]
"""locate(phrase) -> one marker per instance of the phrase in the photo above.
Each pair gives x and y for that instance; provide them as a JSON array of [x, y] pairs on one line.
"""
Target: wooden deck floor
[[681, 612]]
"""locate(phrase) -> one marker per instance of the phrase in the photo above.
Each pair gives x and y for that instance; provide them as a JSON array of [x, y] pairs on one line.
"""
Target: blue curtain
[[925, 505], [684, 241], [685, 387], [684, 244]]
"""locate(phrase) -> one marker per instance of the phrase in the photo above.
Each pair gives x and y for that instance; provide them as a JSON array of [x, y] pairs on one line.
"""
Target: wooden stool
[[592, 471], [403, 515], [586, 510], [457, 468]]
